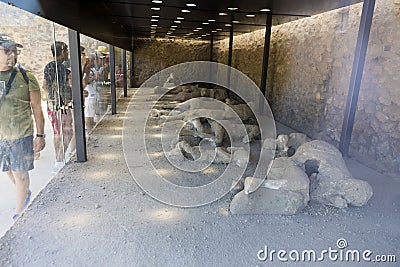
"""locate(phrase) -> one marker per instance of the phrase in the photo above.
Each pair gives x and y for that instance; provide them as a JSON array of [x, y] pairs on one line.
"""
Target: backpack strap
[[10, 81], [23, 72], [12, 77]]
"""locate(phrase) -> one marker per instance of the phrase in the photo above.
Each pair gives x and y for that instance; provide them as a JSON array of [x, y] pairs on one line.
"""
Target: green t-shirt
[[15, 108]]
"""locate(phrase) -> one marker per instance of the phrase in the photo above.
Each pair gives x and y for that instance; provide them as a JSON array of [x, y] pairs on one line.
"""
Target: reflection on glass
[[58, 89], [45, 57], [19, 100]]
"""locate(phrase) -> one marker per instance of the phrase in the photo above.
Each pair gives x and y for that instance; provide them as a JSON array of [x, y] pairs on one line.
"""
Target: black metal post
[[356, 75], [124, 70], [131, 70], [77, 94], [230, 46], [267, 41], [211, 46], [112, 80], [230, 57], [264, 74], [211, 71]]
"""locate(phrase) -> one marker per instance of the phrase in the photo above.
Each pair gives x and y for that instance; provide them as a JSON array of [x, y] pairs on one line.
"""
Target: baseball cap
[[7, 41]]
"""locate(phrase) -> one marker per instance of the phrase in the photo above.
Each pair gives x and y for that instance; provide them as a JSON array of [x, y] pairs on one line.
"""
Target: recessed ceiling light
[[154, 25], [233, 8], [180, 18], [154, 20], [195, 30], [228, 25], [203, 35], [155, 16], [172, 29], [177, 21], [185, 11], [155, 8], [205, 23], [222, 14], [250, 15], [265, 10], [213, 31], [157, 1], [199, 37], [191, 4], [219, 29], [173, 26], [235, 21], [211, 20], [199, 28]]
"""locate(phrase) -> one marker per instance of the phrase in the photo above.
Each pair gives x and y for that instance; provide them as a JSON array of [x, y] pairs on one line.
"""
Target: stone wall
[[152, 56], [309, 75], [37, 34]]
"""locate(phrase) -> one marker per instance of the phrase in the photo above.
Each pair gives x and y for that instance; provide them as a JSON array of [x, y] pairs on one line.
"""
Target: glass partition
[[37, 51], [96, 72], [119, 75], [40, 49]]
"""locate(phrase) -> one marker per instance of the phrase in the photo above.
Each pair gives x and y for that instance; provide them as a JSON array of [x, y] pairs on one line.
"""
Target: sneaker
[[27, 200], [57, 166]]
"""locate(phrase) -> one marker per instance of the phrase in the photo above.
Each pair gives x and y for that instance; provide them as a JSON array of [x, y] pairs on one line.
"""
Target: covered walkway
[[94, 214]]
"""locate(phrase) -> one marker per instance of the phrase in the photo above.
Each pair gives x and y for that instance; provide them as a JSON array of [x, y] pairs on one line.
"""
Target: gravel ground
[[94, 214]]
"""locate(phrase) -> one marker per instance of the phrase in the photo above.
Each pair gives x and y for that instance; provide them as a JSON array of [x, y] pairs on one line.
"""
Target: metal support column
[[124, 70], [77, 94], [264, 75], [356, 75], [131, 70], [112, 80], [230, 46], [211, 71], [267, 41], [211, 46], [230, 57]]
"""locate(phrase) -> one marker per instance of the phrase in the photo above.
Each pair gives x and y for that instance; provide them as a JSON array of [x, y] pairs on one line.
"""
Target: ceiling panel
[[118, 22]]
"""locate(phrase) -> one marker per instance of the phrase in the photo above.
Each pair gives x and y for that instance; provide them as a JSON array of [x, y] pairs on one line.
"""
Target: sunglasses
[[9, 51]]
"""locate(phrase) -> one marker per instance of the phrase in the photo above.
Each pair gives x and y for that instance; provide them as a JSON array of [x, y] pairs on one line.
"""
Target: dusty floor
[[94, 214]]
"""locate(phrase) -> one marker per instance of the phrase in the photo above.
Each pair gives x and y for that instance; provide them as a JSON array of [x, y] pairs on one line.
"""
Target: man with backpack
[[57, 86], [19, 99]]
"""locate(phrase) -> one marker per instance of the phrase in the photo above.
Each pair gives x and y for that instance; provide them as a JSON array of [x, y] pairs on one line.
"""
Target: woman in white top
[[91, 98]]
